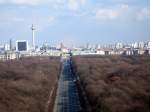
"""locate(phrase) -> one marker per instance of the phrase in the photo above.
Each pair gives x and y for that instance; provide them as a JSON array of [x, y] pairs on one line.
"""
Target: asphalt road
[[67, 98]]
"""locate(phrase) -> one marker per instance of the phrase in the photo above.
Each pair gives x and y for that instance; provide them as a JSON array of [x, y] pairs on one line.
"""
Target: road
[[67, 98]]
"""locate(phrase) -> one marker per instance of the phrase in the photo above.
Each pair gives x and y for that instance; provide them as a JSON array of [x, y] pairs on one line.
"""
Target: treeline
[[115, 83], [25, 84]]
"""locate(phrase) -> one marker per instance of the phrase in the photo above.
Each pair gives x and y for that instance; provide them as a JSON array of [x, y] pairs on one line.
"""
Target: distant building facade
[[21, 45], [9, 55]]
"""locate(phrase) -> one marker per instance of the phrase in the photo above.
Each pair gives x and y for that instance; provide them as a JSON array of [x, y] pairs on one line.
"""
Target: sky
[[75, 22]]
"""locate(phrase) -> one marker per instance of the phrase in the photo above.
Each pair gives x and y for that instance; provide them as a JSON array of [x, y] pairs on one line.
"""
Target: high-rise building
[[148, 45], [61, 45], [141, 45], [6, 47], [119, 45], [99, 46], [135, 45], [21, 45], [87, 46], [11, 44]]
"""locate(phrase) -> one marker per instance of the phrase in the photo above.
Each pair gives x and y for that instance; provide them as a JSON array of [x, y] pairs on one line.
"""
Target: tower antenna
[[33, 36]]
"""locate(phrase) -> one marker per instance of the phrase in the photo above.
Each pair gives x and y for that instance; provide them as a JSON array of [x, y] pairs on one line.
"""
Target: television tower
[[33, 36]]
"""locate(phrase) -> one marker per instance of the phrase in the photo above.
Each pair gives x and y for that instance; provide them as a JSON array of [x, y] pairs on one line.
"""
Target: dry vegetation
[[115, 84], [25, 84]]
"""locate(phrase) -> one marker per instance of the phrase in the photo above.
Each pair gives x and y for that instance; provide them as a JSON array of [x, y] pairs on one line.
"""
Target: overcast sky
[[75, 21]]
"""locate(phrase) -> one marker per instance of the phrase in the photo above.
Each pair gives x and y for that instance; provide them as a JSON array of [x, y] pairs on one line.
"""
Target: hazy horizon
[[75, 22]]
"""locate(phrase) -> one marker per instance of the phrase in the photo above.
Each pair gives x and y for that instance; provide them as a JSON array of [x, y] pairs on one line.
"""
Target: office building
[[148, 45], [21, 45], [119, 45], [6, 47], [141, 45], [11, 44]]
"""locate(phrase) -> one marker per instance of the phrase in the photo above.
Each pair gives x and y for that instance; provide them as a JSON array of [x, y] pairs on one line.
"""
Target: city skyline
[[75, 21]]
